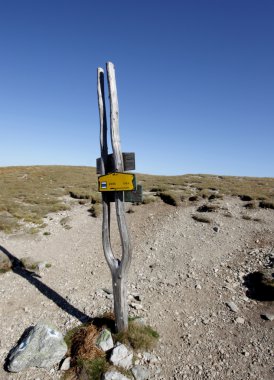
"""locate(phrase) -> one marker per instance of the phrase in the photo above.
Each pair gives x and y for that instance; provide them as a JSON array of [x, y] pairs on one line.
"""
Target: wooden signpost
[[113, 183]]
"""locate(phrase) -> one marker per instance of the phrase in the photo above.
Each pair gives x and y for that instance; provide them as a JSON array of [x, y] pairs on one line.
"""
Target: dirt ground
[[185, 272]]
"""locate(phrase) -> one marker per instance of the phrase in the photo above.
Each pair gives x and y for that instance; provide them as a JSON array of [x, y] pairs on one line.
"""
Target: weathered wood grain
[[119, 268]]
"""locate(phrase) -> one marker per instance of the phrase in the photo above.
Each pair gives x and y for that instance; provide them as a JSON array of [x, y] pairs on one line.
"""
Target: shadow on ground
[[259, 286], [33, 279]]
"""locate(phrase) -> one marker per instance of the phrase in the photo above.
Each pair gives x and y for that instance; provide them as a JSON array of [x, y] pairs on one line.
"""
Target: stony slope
[[184, 271]]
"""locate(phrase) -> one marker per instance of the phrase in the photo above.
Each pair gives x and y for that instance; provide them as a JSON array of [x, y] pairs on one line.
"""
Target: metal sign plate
[[135, 196], [117, 182], [128, 159]]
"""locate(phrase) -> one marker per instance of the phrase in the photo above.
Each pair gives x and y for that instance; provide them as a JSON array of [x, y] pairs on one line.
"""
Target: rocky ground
[[190, 277]]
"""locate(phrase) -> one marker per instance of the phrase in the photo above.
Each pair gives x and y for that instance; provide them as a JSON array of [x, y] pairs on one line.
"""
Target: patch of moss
[[93, 369]]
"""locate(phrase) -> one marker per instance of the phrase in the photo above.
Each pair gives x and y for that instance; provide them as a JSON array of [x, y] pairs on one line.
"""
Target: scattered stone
[[108, 291], [114, 375], [43, 346], [136, 296], [149, 358], [140, 321], [121, 356], [136, 306], [268, 316], [233, 307], [240, 320], [140, 373], [105, 341], [42, 265], [65, 364]]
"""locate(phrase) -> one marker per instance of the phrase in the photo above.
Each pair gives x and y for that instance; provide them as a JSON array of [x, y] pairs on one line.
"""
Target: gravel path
[[184, 271]]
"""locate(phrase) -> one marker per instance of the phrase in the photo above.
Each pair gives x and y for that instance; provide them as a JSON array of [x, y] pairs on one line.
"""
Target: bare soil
[[184, 271]]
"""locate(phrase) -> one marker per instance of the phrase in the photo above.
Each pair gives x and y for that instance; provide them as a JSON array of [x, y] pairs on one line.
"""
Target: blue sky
[[195, 83]]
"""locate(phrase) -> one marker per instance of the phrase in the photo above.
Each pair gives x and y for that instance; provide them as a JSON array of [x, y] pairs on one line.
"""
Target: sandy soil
[[184, 271]]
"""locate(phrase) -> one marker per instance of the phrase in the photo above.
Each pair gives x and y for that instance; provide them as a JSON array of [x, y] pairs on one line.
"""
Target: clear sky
[[195, 83]]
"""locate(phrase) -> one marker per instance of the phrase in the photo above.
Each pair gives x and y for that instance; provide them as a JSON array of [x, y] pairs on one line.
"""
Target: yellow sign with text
[[117, 182]]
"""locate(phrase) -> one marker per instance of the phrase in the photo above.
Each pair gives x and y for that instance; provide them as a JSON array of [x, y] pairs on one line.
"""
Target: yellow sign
[[117, 182]]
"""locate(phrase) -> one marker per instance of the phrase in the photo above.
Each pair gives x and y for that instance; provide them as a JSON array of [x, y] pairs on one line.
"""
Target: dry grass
[[208, 208], [28, 194], [88, 361], [95, 210], [266, 204], [138, 336], [172, 198]]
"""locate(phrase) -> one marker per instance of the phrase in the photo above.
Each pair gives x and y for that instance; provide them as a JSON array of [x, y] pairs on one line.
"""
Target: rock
[[268, 316], [105, 341], [240, 320], [42, 265], [43, 346], [150, 358], [108, 291], [114, 375], [136, 296], [65, 364], [121, 356], [136, 306], [233, 307], [140, 373], [198, 286], [216, 229], [139, 321]]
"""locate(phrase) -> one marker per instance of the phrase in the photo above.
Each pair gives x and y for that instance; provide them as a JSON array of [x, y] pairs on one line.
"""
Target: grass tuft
[[171, 198], [208, 208], [92, 369], [138, 336], [266, 204], [95, 210], [245, 198]]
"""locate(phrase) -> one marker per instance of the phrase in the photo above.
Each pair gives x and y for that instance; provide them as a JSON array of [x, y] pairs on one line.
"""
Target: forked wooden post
[[119, 268]]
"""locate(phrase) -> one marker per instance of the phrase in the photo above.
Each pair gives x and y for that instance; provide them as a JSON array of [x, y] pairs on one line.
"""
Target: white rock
[[121, 356], [114, 375], [233, 307], [136, 306], [105, 341], [240, 320], [150, 358], [42, 347], [268, 316], [65, 365], [140, 372]]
